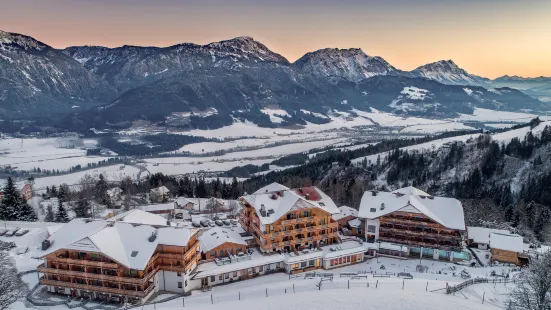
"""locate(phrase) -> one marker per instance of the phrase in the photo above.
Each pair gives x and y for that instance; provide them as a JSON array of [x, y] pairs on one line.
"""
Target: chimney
[[307, 196], [153, 236], [373, 193]]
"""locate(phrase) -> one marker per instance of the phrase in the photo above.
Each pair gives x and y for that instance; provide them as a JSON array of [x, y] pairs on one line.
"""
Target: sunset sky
[[486, 37]]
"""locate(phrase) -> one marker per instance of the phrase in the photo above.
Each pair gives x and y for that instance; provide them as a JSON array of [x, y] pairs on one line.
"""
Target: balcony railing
[[420, 234], [101, 289], [407, 222], [96, 276], [84, 262], [416, 243]]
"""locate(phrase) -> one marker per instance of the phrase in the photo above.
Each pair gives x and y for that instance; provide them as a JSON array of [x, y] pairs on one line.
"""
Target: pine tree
[[13, 206], [49, 214], [61, 215], [53, 191], [101, 190], [62, 193], [82, 209]]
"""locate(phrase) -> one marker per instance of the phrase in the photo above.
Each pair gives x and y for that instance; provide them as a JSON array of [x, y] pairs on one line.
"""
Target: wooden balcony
[[95, 276], [411, 223], [416, 243], [192, 251], [83, 262], [420, 234], [101, 289]]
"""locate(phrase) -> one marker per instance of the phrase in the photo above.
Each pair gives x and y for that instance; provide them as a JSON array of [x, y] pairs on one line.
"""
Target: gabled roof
[[128, 244], [482, 234], [276, 204], [137, 216], [271, 188], [507, 242], [345, 212], [160, 190], [446, 211], [217, 236]]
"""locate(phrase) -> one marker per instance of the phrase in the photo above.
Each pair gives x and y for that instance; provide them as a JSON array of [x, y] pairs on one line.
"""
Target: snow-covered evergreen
[[13, 207], [61, 215]]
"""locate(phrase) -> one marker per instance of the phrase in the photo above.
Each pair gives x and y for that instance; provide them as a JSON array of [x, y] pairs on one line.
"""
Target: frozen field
[[436, 128], [51, 153]]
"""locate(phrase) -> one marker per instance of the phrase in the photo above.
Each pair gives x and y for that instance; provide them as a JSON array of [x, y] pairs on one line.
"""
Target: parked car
[[11, 233], [226, 222], [179, 216], [219, 223], [212, 224], [196, 224], [204, 223], [21, 232]]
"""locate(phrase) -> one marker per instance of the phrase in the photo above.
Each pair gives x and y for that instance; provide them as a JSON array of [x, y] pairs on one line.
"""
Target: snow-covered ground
[[51, 153], [486, 115], [436, 128]]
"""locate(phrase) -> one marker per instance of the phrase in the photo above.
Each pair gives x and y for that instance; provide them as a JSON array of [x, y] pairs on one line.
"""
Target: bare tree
[[233, 207], [12, 287], [533, 292]]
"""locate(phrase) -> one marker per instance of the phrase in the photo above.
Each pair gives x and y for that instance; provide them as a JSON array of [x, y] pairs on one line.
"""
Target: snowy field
[[486, 115], [51, 153], [436, 128]]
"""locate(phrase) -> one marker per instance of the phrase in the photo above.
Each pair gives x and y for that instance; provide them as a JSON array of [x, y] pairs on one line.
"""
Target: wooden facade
[[84, 273], [224, 250], [293, 231], [504, 256], [418, 230]]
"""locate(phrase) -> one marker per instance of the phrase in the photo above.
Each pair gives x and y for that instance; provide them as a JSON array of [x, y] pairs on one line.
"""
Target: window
[[373, 210], [235, 274], [179, 274], [321, 204], [302, 264], [277, 265], [268, 267], [371, 228], [340, 260], [312, 262], [227, 275], [271, 227], [221, 252], [260, 268], [348, 259], [212, 278], [220, 277], [179, 284], [185, 283], [213, 253]]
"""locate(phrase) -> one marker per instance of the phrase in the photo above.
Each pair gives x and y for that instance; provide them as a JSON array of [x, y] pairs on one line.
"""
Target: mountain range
[[207, 86]]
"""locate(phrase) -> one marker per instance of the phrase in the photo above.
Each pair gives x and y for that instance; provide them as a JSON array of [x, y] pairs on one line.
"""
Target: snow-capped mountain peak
[[448, 72], [246, 46], [352, 64], [15, 40]]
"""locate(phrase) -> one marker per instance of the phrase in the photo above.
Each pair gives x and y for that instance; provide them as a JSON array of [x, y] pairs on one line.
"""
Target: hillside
[[502, 177]]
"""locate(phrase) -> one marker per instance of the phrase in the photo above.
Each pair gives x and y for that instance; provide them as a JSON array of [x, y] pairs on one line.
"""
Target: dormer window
[[373, 210]]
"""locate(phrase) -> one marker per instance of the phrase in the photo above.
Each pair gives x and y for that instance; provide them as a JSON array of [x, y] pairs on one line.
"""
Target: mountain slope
[[38, 81], [447, 72], [352, 64], [127, 67]]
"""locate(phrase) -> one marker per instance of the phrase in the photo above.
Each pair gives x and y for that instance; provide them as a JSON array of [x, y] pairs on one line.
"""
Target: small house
[[159, 194], [479, 237], [221, 242], [506, 248]]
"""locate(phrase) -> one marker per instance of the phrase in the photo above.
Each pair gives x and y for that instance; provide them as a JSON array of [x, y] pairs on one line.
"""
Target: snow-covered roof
[[507, 242], [481, 234], [273, 205], [217, 236], [354, 223], [345, 212], [52, 229], [200, 202], [410, 190], [158, 207], [446, 211], [140, 217], [271, 188], [162, 190], [127, 244]]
